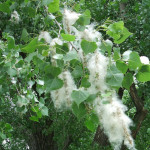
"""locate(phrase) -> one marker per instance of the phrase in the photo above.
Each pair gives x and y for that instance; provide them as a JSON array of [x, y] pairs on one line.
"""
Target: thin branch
[[73, 46]]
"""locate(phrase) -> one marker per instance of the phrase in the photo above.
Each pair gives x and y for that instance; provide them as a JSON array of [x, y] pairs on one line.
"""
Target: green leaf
[[42, 47], [83, 20], [92, 122], [106, 94], [71, 55], [106, 102], [31, 47], [88, 47], [114, 77], [34, 118], [91, 97], [79, 111], [77, 7], [44, 111], [106, 46], [68, 37], [148, 131], [45, 53], [22, 101], [54, 71], [11, 42], [85, 83], [30, 57], [12, 72], [40, 89], [118, 32], [115, 29], [35, 109], [53, 84], [41, 103], [53, 6], [122, 66], [24, 35], [143, 74], [134, 61], [77, 72], [8, 127], [19, 64], [31, 12], [116, 55], [124, 35], [4, 7], [79, 96], [39, 114], [127, 81], [46, 2], [62, 49], [2, 135]]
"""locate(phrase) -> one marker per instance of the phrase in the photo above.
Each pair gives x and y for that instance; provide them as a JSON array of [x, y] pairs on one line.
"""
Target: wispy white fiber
[[51, 16], [126, 55], [109, 108], [45, 35], [15, 18], [53, 49], [69, 18], [56, 41], [144, 60], [90, 34], [62, 97], [97, 66], [114, 121]]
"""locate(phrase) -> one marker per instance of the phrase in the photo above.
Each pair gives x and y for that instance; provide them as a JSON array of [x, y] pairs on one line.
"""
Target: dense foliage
[[29, 117]]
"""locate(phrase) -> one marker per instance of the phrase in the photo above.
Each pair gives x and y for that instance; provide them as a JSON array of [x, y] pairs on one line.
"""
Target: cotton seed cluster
[[108, 107]]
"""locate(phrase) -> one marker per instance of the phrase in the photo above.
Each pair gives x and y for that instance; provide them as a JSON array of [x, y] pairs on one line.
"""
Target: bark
[[140, 111], [100, 137], [45, 141], [122, 10], [39, 140]]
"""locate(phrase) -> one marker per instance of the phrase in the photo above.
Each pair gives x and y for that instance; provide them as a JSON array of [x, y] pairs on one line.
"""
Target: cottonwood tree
[[72, 69]]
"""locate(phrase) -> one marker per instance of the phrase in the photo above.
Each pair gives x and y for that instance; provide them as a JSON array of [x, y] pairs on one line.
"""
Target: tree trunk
[[122, 10], [38, 140]]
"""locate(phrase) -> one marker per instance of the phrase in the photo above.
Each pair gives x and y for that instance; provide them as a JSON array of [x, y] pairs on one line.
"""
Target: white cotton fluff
[[45, 35], [114, 121], [56, 41], [69, 18], [97, 66], [112, 117], [51, 16], [90, 34], [126, 55], [110, 110], [144, 60], [15, 18], [53, 49], [62, 97]]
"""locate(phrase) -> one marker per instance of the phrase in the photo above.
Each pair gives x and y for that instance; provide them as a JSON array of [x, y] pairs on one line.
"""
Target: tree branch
[[140, 111]]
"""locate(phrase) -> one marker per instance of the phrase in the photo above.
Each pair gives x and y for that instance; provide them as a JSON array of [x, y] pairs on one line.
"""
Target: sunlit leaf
[[79, 96], [88, 47]]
